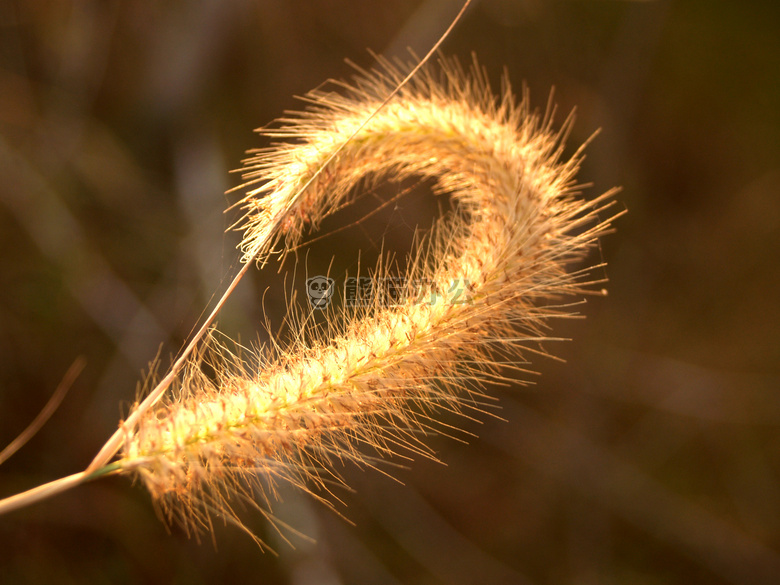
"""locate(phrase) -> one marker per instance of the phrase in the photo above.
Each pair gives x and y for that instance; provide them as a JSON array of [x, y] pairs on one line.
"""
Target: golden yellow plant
[[482, 286], [489, 273]]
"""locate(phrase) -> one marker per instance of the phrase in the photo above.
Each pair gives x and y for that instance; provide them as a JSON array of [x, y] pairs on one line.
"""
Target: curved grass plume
[[486, 280]]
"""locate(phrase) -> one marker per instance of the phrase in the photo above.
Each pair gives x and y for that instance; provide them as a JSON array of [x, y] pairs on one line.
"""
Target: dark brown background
[[652, 456]]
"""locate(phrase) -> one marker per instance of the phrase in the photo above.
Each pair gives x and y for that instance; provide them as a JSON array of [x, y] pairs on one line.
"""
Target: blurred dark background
[[651, 456]]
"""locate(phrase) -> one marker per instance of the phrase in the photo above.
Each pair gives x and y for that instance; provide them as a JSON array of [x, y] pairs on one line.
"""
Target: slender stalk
[[46, 412], [113, 445], [52, 488]]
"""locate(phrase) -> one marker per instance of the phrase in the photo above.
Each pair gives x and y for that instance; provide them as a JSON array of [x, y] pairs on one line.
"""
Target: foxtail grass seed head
[[381, 382]]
